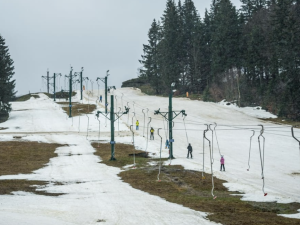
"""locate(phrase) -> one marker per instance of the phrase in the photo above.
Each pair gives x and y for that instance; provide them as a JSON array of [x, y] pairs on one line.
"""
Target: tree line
[[7, 84], [250, 55]]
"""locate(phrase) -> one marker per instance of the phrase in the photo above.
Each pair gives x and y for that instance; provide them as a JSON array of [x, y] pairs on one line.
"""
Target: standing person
[[152, 134], [137, 125], [190, 149], [100, 98], [222, 160], [167, 143]]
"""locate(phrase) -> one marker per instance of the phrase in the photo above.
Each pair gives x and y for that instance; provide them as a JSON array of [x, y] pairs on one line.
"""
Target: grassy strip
[[24, 98], [78, 109], [60, 94], [282, 121], [23, 158], [9, 186], [186, 187]]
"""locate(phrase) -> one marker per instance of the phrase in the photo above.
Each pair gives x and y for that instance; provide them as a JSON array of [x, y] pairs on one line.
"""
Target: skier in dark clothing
[[190, 149]]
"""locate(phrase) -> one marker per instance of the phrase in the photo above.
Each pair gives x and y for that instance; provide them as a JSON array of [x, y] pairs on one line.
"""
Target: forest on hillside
[[249, 55]]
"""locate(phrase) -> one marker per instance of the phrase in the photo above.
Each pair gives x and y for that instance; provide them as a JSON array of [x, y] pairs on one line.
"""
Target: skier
[[222, 160], [100, 98], [167, 143], [137, 125], [190, 149], [152, 134]]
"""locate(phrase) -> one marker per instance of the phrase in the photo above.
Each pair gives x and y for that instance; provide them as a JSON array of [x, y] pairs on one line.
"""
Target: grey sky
[[95, 34]]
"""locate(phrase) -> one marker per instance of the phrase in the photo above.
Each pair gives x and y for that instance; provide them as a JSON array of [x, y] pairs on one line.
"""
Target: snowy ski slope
[[95, 192]]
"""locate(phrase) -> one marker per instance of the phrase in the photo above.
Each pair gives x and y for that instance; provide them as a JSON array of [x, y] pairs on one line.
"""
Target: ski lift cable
[[203, 177], [144, 122], [292, 129], [148, 133], [98, 131], [212, 143], [87, 130], [163, 120], [250, 150], [159, 154], [132, 120], [217, 139], [187, 139], [131, 129], [211, 162], [262, 156], [119, 121]]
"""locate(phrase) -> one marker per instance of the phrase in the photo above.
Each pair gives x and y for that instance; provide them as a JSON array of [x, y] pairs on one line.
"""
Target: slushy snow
[[93, 190]]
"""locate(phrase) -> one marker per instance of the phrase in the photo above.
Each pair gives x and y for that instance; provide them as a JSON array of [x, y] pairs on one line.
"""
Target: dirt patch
[[9, 186], [122, 152], [186, 187], [24, 157], [3, 128], [78, 109], [17, 157]]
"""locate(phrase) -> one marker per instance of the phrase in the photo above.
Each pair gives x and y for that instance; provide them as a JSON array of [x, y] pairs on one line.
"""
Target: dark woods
[[251, 55]]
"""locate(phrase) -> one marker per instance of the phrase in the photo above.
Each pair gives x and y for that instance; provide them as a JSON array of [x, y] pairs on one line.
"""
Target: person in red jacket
[[222, 160]]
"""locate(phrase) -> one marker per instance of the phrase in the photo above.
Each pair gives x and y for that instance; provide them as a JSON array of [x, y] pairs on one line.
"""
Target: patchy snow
[[256, 111], [95, 192]]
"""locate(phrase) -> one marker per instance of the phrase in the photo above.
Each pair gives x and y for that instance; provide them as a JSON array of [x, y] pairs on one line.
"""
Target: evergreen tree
[[287, 31], [225, 38], [205, 49], [150, 58], [249, 7], [7, 85], [191, 44], [169, 46]]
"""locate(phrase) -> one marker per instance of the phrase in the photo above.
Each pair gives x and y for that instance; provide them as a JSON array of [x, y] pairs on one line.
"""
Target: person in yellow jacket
[[137, 125], [152, 134]]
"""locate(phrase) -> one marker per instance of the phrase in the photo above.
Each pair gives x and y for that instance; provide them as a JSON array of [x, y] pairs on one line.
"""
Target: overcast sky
[[95, 34]]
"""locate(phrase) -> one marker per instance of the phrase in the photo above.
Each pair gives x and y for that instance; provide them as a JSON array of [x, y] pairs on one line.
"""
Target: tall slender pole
[[48, 81], [70, 95], [54, 86], [112, 128], [106, 94], [144, 122], [81, 85], [170, 126]]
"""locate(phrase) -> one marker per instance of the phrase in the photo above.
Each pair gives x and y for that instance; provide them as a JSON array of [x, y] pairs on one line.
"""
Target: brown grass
[[8, 186], [122, 152], [78, 109], [283, 121], [186, 187], [17, 157], [26, 97]]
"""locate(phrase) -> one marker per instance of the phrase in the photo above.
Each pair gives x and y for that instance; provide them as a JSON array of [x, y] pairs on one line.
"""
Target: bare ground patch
[[282, 121], [186, 187], [18, 157], [78, 109]]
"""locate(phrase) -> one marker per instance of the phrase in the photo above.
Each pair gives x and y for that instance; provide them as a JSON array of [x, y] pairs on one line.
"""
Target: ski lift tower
[[104, 80], [112, 126], [70, 89], [170, 116]]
